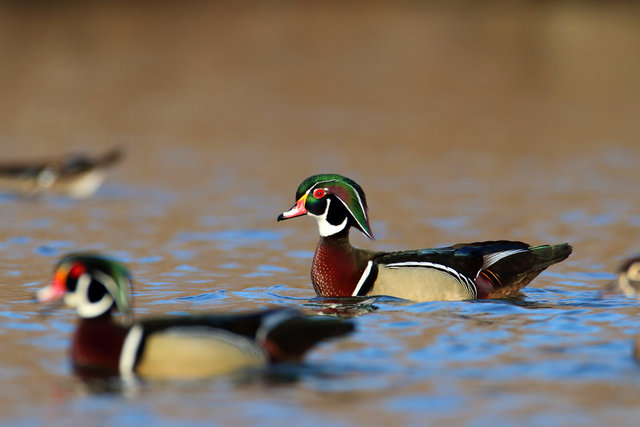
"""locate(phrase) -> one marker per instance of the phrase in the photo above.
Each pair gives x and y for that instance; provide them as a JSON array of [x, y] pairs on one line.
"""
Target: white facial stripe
[[111, 285], [129, 350], [80, 299], [363, 226], [491, 259]]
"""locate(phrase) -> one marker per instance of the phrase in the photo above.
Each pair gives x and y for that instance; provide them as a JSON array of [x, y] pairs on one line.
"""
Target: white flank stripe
[[80, 298], [129, 350], [271, 321], [361, 208], [345, 204], [491, 259], [363, 278]]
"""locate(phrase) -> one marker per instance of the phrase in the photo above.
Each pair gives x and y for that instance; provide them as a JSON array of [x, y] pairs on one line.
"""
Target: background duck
[[74, 175], [172, 347], [627, 279], [491, 269]]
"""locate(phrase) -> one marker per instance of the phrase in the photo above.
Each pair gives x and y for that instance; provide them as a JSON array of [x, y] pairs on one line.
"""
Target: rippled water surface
[[462, 123]]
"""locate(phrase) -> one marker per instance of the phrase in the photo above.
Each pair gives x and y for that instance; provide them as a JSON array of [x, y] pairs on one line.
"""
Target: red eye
[[76, 271], [319, 193]]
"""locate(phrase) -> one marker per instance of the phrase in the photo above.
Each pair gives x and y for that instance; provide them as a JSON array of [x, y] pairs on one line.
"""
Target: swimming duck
[[627, 279], [75, 175], [172, 347], [493, 269]]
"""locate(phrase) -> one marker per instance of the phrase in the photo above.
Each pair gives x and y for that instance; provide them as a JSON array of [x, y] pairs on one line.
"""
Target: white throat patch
[[80, 300], [324, 228]]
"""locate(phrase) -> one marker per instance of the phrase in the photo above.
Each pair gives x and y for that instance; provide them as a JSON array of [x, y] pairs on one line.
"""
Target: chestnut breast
[[97, 344], [336, 268]]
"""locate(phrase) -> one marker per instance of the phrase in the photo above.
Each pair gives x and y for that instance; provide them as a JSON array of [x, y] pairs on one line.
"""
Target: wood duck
[[627, 279], [493, 269], [75, 175], [182, 347]]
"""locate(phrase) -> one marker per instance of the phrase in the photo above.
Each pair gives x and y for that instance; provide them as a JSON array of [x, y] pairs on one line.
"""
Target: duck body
[[173, 347], [492, 269], [181, 347]]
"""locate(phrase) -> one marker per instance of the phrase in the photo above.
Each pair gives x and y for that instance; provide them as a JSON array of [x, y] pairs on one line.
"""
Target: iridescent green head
[[336, 201], [92, 283]]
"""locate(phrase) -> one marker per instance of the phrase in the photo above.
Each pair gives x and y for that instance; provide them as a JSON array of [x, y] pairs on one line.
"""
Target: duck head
[[335, 201], [93, 284]]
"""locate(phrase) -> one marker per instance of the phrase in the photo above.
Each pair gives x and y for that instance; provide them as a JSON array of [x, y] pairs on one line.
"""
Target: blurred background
[[462, 121], [311, 85]]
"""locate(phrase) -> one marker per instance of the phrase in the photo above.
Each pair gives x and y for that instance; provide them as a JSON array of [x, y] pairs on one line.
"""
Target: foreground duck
[[74, 175], [465, 271], [172, 347]]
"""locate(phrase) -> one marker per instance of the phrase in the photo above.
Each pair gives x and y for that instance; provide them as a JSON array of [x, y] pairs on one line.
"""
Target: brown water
[[461, 123]]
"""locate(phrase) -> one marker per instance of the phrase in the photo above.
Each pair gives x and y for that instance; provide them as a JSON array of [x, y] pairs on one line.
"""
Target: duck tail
[[287, 336], [110, 157], [509, 273]]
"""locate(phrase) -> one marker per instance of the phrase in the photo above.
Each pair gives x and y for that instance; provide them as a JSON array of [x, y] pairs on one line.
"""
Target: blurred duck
[[172, 347], [627, 279], [494, 269], [74, 175]]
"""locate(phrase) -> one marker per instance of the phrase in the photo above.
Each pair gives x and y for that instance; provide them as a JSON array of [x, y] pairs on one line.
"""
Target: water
[[461, 123]]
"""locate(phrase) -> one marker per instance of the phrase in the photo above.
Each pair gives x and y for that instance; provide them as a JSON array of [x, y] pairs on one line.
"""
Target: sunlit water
[[192, 208]]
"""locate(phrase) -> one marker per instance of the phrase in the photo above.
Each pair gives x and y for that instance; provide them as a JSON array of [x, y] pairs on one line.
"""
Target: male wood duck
[[75, 175], [627, 279], [465, 271], [183, 347]]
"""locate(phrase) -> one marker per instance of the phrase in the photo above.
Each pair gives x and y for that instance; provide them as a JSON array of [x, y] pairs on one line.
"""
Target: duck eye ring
[[319, 193], [76, 271]]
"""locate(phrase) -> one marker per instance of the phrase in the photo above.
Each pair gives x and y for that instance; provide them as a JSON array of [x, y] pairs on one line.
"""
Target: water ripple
[[232, 239], [205, 297]]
